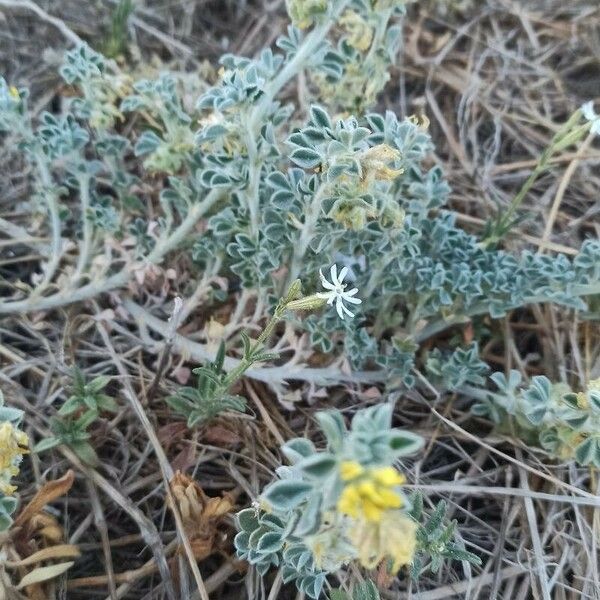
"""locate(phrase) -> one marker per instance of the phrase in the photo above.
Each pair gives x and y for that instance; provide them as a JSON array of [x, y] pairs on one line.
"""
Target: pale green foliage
[[300, 512], [211, 395], [566, 424], [277, 192], [454, 370], [302, 504], [117, 37]]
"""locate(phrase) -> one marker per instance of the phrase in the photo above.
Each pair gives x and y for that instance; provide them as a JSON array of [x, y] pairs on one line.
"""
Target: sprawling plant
[[343, 504], [279, 195]]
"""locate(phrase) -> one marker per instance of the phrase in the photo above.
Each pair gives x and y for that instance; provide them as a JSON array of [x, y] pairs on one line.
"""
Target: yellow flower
[[350, 469], [13, 445], [360, 34], [392, 538], [369, 494], [388, 476], [374, 162], [14, 92]]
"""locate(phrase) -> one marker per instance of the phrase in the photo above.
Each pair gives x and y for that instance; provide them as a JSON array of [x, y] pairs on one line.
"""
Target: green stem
[[305, 52], [247, 361], [568, 134]]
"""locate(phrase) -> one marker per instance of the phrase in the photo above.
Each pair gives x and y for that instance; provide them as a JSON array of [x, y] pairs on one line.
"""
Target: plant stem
[[305, 52], [568, 134], [55, 224], [313, 211], [440, 325], [86, 247], [249, 360], [122, 277]]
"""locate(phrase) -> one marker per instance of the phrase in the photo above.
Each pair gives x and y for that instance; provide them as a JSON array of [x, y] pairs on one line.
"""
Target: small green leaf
[[270, 543], [366, 591], [332, 425], [247, 519], [70, 406], [588, 452], [46, 444], [98, 383]]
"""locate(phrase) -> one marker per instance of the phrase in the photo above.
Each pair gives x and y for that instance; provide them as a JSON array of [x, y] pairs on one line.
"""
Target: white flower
[[590, 114], [338, 293]]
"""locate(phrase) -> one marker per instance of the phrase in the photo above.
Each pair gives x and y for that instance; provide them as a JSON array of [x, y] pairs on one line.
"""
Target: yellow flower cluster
[[392, 538], [369, 493], [360, 34], [13, 445], [380, 530]]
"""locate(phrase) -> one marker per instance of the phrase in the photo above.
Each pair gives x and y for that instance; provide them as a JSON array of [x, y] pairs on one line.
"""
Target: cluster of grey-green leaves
[[282, 197], [283, 193]]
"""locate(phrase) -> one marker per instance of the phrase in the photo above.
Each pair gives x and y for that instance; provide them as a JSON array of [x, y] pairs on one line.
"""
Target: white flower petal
[[336, 291], [333, 273], [348, 312], [596, 127], [325, 283], [351, 300], [588, 111]]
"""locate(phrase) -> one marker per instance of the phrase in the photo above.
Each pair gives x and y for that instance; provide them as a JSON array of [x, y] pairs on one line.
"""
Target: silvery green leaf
[[366, 591], [333, 426], [317, 466], [297, 449], [247, 519], [286, 495], [270, 543], [404, 442], [147, 143], [320, 117], [588, 452], [241, 542], [305, 158], [310, 519]]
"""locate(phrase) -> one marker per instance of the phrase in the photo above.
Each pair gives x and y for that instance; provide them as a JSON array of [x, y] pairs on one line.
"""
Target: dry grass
[[496, 79]]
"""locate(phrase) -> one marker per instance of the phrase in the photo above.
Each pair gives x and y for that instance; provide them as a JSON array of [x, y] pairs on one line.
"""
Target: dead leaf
[[44, 574], [60, 551], [50, 491], [201, 514]]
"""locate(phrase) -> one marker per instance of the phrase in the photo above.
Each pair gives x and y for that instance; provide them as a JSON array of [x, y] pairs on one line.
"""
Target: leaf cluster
[[566, 424], [79, 412]]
